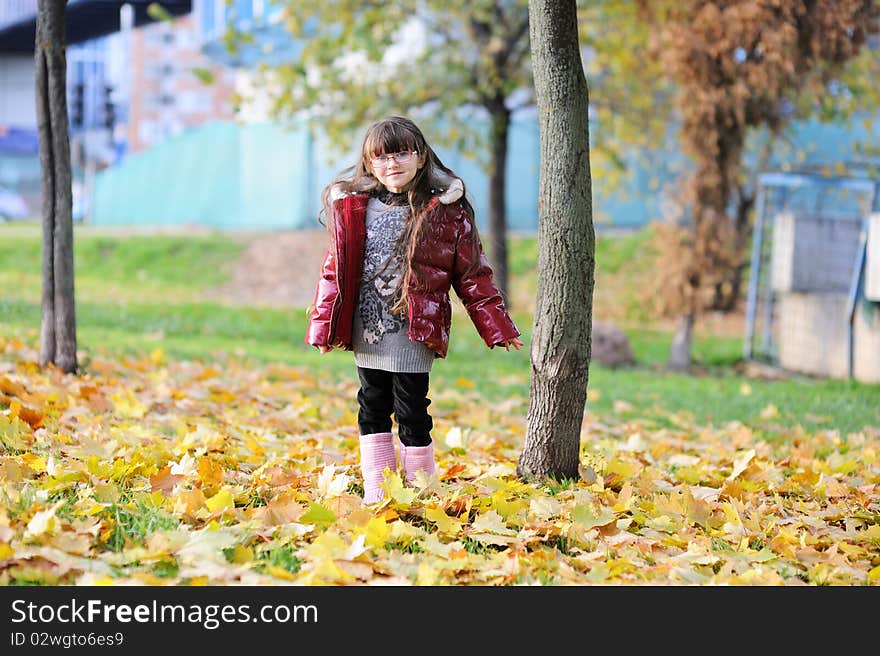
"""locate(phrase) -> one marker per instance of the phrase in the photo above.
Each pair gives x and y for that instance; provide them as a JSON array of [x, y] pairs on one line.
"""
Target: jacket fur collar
[[454, 189]]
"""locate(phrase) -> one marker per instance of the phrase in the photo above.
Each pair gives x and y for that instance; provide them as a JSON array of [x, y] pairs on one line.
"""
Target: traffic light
[[109, 108], [77, 106]]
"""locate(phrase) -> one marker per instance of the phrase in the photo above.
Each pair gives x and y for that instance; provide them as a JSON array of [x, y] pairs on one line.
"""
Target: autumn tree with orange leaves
[[739, 65]]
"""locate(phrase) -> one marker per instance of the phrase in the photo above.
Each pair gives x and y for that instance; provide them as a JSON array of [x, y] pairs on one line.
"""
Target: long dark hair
[[394, 134]]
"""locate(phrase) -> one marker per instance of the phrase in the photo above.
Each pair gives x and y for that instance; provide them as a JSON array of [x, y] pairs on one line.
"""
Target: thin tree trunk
[[561, 339], [682, 341], [500, 117], [58, 316]]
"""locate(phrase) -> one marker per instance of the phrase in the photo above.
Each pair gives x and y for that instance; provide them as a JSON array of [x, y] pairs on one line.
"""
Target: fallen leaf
[[164, 481]]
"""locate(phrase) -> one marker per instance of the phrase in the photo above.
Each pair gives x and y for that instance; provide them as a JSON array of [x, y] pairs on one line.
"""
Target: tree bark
[[561, 339], [500, 117], [682, 341], [58, 315]]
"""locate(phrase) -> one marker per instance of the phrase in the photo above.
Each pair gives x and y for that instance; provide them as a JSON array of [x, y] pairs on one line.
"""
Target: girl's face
[[396, 170]]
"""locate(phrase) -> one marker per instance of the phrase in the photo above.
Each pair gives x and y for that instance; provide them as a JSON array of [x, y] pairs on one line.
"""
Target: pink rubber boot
[[377, 453], [414, 458]]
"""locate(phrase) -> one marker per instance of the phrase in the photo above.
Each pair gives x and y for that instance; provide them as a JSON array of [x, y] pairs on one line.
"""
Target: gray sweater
[[379, 338]]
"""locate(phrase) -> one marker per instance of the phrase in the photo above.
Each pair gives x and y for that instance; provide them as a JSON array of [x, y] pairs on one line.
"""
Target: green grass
[[651, 347], [133, 522], [142, 269], [613, 254], [282, 557], [621, 276], [141, 293]]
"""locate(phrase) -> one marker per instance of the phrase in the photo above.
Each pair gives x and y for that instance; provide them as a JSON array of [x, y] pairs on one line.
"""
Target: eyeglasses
[[403, 157]]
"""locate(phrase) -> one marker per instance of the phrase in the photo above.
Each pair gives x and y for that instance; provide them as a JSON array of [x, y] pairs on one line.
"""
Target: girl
[[401, 233]]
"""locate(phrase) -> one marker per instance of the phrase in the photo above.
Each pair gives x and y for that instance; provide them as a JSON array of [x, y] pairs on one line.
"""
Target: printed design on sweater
[[383, 269]]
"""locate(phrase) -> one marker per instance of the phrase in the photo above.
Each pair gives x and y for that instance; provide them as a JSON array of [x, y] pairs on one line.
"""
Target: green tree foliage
[[631, 104]]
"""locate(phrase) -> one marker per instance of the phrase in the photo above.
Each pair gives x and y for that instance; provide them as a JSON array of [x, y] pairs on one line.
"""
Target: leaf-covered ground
[[152, 471]]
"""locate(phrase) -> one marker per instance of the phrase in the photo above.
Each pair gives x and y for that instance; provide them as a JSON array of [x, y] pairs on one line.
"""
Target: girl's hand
[[325, 349], [515, 342]]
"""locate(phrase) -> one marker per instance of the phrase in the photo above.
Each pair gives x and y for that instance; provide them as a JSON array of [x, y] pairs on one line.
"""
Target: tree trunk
[[500, 117], [726, 295], [58, 316], [682, 341], [561, 339]]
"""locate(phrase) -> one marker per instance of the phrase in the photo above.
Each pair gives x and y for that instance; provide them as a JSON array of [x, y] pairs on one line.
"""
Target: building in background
[[173, 85], [132, 82], [159, 135]]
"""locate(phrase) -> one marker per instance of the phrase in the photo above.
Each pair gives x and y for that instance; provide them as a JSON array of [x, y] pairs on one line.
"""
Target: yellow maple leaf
[[377, 532], [242, 554], [698, 511], [329, 571], [106, 493], [283, 509], [204, 437], [34, 418], [219, 395], [186, 466], [872, 533], [317, 514], [445, 524], [831, 486], [394, 487], [491, 522], [44, 522], [504, 507], [165, 481], [37, 463], [331, 484], [624, 499], [329, 545], [210, 474], [544, 508], [621, 468], [128, 405], [590, 516], [188, 502], [15, 433], [280, 573], [221, 501], [740, 464]]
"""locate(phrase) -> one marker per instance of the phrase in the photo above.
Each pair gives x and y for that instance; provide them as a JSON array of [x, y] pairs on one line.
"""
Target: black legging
[[406, 395]]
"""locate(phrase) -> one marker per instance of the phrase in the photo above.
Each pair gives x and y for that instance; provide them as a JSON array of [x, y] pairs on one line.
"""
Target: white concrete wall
[[866, 355], [17, 95], [813, 333], [872, 263], [815, 253]]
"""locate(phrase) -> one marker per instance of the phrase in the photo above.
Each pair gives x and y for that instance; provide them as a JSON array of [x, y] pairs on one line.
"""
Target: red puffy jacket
[[438, 263]]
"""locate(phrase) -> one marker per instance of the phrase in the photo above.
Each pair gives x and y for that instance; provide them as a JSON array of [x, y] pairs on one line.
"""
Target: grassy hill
[[144, 293]]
